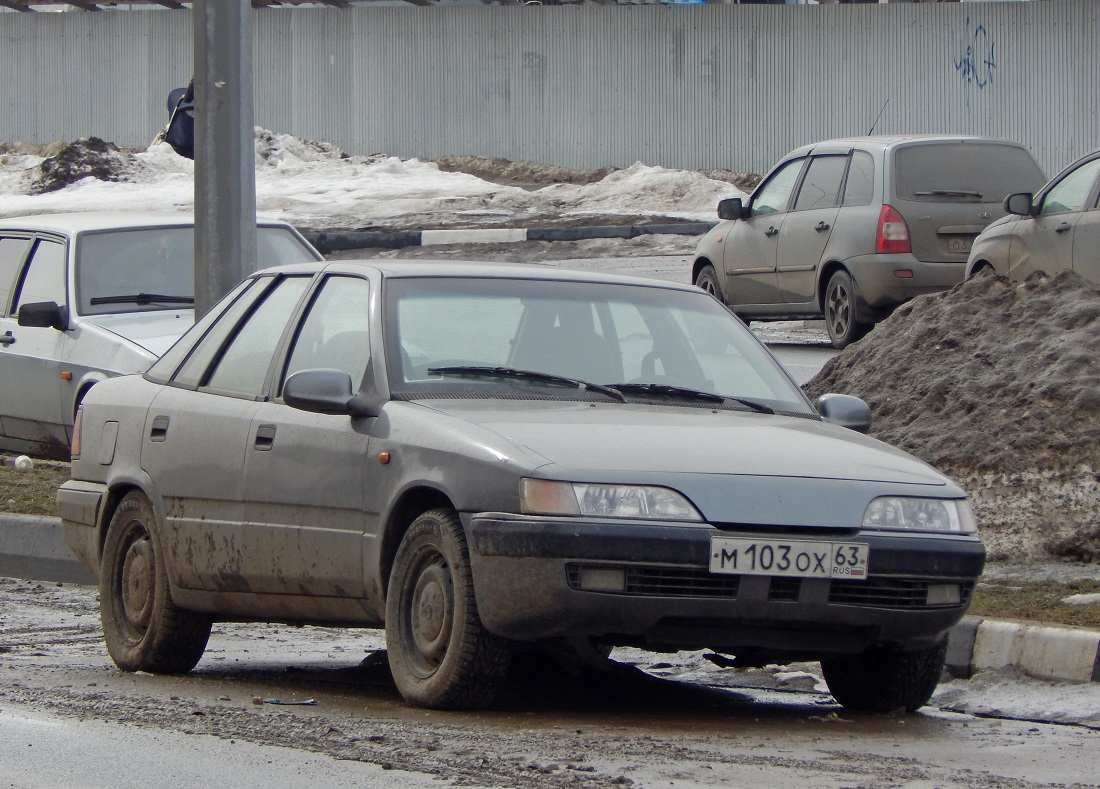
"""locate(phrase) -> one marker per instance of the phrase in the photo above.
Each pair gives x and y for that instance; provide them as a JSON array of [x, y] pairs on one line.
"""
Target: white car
[[88, 296]]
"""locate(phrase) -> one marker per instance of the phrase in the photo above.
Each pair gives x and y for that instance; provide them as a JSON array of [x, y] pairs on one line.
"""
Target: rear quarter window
[[964, 172]]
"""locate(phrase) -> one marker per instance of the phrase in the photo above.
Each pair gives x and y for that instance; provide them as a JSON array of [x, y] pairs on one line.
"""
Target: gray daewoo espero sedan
[[472, 456]]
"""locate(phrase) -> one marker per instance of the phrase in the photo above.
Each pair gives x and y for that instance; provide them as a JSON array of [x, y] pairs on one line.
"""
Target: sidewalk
[[34, 548], [398, 239]]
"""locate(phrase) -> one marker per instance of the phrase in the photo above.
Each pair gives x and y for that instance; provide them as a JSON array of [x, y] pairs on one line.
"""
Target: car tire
[[441, 656], [840, 311], [884, 679], [707, 280], [144, 630]]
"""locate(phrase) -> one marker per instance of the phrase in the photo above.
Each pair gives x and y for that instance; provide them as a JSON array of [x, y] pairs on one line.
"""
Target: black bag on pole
[[180, 131]]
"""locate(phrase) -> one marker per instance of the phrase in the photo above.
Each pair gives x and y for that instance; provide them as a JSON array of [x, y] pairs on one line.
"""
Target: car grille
[[784, 590], [654, 581], [892, 593]]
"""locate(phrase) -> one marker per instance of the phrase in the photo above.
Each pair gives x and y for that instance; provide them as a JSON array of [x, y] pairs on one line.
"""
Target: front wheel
[[143, 628], [440, 655], [840, 311], [885, 679], [707, 280]]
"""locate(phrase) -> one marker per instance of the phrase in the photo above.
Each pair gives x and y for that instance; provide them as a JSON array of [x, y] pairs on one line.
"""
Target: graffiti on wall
[[978, 60]]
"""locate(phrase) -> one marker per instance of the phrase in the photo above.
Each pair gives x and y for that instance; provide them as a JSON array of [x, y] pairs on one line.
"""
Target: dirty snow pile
[[998, 385], [317, 187]]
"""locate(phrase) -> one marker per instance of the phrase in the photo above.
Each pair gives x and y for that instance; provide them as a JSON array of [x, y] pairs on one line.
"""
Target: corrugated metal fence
[[695, 86]]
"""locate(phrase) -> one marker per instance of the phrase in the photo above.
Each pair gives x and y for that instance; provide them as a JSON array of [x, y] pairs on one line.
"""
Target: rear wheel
[[885, 679], [840, 311], [143, 628], [440, 654]]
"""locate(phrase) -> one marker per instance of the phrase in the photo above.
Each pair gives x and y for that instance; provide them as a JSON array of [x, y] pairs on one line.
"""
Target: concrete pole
[[225, 171]]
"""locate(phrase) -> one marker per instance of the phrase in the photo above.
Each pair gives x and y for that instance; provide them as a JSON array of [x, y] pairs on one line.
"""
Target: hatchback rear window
[[964, 172]]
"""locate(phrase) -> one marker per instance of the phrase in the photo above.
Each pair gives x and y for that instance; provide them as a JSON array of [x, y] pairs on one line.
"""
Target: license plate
[[959, 245], [790, 558]]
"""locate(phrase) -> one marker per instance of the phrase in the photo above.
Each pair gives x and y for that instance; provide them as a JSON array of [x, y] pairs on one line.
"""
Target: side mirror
[[322, 391], [44, 314], [846, 411], [1020, 203], [731, 208]]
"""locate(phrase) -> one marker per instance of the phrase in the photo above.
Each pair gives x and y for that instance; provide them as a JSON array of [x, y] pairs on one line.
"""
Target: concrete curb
[[34, 548], [398, 239]]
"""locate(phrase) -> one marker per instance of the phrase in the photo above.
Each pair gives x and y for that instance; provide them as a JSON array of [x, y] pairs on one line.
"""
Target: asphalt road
[[303, 707]]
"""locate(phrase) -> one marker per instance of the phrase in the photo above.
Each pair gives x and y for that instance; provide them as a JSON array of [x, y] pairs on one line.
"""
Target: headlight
[[546, 497], [912, 514]]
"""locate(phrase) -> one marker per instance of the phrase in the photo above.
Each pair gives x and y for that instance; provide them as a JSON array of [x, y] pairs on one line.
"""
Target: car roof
[[884, 141], [402, 268], [87, 221]]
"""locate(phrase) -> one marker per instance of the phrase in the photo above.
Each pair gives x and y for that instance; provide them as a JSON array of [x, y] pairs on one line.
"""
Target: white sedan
[[84, 297]]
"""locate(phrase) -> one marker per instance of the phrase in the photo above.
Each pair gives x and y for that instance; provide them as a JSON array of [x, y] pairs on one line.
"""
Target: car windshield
[[458, 337], [154, 269]]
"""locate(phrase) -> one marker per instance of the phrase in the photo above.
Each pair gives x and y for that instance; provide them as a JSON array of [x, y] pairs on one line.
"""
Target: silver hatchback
[[848, 229], [84, 297], [1056, 230]]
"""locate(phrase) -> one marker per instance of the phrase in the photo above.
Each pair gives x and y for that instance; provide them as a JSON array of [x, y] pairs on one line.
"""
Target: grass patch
[[1040, 601], [31, 492]]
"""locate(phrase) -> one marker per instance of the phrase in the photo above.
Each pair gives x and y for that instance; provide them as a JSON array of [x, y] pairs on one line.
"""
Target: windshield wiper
[[525, 375], [951, 193], [666, 390], [142, 299]]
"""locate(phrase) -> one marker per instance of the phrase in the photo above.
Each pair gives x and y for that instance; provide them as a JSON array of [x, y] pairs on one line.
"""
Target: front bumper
[[530, 575]]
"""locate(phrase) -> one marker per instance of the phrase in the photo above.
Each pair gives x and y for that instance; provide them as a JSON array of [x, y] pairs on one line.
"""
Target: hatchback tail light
[[893, 233]]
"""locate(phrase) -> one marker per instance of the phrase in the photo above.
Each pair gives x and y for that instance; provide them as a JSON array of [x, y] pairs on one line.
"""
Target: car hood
[[734, 466], [153, 331]]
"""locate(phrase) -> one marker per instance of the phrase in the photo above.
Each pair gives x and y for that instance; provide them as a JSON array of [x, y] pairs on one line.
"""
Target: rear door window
[[964, 172], [821, 186]]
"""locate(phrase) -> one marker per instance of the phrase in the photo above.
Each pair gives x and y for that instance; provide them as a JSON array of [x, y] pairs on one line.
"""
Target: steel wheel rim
[[429, 613], [137, 583]]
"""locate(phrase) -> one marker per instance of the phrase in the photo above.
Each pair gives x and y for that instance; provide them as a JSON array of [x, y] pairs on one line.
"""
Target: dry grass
[[1039, 601], [31, 492]]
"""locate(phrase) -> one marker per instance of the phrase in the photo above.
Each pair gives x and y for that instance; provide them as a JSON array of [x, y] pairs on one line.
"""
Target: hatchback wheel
[[840, 316], [143, 628], [440, 654], [707, 280]]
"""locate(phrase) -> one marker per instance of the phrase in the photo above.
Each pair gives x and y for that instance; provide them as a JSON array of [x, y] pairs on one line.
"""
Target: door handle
[[159, 429], [821, 227], [265, 438], [1063, 228], [6, 339], [772, 231]]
